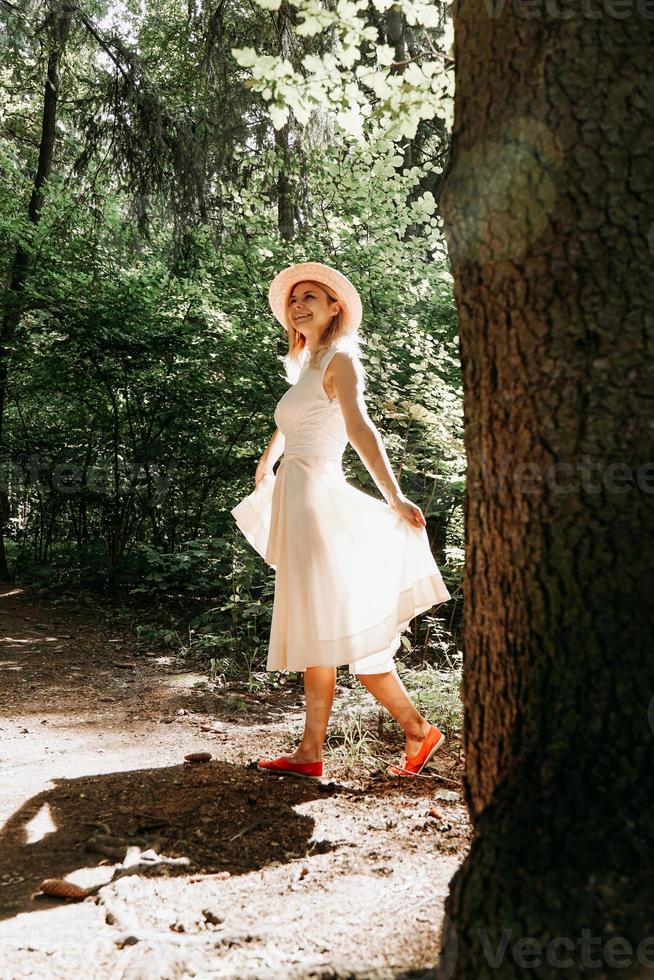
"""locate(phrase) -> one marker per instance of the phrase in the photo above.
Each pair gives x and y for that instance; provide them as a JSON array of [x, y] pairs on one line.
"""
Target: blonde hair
[[298, 354]]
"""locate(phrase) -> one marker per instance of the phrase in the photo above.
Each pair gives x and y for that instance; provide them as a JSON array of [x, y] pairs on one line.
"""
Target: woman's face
[[310, 310]]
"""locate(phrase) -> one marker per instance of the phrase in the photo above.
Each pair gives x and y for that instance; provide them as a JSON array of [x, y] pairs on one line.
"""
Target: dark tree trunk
[[437, 534], [285, 206], [396, 28], [285, 203], [548, 203], [59, 26]]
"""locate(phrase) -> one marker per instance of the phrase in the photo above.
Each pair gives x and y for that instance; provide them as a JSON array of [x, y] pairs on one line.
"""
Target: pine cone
[[59, 888], [198, 757]]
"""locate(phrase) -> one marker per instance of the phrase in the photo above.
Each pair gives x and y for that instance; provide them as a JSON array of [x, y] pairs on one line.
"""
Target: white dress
[[350, 574]]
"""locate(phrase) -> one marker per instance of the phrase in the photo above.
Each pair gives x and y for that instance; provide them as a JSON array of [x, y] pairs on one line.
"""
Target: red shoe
[[283, 766], [413, 764]]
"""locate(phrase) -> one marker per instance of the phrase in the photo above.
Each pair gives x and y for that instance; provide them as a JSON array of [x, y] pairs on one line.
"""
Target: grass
[[355, 737], [351, 744], [437, 695]]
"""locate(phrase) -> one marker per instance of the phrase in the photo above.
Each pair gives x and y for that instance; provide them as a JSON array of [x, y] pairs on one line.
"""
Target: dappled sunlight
[[40, 825], [25, 640], [185, 679]]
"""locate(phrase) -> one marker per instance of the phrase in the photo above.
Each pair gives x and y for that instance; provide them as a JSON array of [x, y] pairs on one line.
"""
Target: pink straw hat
[[335, 282]]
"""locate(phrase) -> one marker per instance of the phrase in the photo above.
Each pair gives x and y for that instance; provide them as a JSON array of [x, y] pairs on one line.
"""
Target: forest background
[[160, 163]]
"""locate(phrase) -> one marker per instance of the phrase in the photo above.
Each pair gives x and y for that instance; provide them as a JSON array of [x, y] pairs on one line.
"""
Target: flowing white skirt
[[350, 573]]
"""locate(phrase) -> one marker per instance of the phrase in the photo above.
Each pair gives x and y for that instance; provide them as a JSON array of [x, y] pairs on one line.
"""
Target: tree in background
[[55, 29], [548, 202]]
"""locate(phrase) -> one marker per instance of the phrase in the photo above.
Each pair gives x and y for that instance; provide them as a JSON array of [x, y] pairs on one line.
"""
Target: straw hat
[[335, 282]]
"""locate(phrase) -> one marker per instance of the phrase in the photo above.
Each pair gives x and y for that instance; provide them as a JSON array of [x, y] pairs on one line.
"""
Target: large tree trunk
[[548, 204], [59, 21]]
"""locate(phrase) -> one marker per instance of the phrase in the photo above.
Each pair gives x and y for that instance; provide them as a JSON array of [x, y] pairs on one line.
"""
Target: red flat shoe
[[413, 764], [284, 767]]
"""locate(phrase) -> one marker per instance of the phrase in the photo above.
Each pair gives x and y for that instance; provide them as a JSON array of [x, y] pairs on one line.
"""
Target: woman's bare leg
[[319, 686], [392, 694]]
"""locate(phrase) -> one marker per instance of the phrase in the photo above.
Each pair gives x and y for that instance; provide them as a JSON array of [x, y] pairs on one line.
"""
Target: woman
[[352, 571]]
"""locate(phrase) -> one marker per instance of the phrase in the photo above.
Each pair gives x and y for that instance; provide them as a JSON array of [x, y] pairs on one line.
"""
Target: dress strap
[[341, 344], [326, 358]]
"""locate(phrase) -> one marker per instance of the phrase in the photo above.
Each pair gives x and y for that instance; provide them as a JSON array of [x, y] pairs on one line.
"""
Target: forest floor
[[197, 869]]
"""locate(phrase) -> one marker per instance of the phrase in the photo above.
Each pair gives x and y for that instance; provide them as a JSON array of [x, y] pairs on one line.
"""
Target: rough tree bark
[[549, 204]]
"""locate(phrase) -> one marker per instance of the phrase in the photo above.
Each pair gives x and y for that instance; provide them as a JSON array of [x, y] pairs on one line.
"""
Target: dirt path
[[278, 877]]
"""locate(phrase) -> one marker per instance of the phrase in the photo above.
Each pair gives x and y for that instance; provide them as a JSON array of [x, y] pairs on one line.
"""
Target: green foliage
[[357, 76], [195, 569], [437, 694], [156, 635]]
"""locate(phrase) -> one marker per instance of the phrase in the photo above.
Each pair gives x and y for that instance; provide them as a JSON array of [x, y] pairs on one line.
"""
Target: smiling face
[[310, 310]]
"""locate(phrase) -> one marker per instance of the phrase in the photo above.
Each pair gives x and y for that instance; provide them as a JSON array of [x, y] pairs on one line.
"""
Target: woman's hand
[[405, 508], [264, 468]]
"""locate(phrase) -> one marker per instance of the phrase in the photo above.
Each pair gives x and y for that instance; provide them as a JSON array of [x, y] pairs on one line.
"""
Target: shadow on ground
[[219, 817]]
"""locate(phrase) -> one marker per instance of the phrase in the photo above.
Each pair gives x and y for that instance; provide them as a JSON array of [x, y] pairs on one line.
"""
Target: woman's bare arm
[[365, 438], [270, 455]]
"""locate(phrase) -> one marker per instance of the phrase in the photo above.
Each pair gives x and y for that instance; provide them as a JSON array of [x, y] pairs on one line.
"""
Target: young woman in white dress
[[321, 311]]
